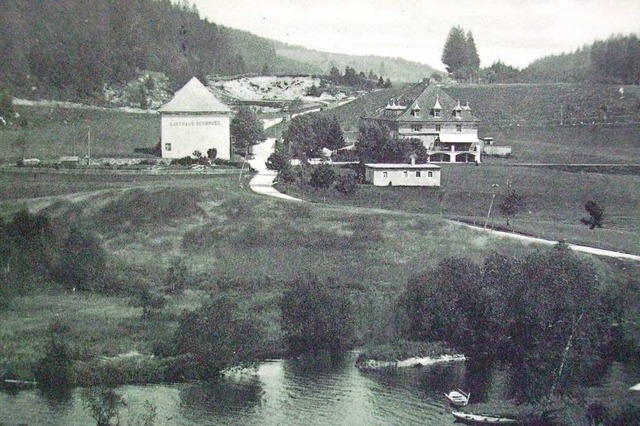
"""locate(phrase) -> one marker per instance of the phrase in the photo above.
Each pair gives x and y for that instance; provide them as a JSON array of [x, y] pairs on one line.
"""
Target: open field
[[554, 201], [56, 131], [549, 104], [592, 144]]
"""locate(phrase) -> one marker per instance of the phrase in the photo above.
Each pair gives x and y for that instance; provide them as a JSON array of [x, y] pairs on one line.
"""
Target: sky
[[516, 32]]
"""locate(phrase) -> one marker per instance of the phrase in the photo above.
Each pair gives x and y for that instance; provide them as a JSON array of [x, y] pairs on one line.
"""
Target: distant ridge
[[397, 69]]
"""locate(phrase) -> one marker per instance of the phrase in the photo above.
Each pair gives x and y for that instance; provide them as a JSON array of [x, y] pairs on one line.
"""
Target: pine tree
[[454, 54], [473, 60]]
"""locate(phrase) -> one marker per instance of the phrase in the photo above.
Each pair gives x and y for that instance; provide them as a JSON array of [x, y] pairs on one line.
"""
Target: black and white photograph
[[310, 213]]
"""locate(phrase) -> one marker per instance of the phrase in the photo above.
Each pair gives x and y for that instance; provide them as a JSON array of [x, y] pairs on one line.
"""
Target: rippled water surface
[[302, 392], [307, 391]]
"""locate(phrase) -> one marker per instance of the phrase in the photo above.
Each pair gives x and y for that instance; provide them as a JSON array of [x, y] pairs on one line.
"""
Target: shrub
[[316, 318], [219, 335], [322, 177], [347, 184], [54, 371], [596, 213], [103, 404], [184, 161], [82, 262], [177, 276]]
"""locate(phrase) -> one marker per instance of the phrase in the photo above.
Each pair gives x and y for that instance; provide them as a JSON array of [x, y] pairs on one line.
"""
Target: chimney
[[426, 81], [413, 159]]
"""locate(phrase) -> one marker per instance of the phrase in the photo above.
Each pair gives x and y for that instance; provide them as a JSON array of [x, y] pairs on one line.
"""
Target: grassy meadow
[[233, 242], [554, 201], [54, 131]]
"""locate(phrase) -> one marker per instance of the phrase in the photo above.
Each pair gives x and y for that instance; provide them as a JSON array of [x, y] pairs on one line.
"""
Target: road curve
[[262, 183], [525, 238]]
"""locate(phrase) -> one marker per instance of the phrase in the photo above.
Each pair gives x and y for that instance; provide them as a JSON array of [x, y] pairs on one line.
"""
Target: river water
[[308, 391]]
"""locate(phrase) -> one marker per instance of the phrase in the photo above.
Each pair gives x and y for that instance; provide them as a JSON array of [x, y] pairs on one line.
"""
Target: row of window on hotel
[[418, 127]]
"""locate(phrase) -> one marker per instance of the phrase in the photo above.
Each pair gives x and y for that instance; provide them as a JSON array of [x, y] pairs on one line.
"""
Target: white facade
[[184, 134], [402, 174], [195, 120]]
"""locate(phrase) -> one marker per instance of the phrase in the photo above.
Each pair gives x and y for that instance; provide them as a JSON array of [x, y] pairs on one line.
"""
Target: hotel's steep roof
[[425, 98]]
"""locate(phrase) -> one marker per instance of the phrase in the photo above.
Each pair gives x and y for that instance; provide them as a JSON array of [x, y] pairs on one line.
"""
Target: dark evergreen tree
[[473, 59], [454, 53], [460, 54]]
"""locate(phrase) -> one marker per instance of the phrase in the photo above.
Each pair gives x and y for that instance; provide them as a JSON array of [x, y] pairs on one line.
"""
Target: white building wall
[[182, 134], [403, 177]]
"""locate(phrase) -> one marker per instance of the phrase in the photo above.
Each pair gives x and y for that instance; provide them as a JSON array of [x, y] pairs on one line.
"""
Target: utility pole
[[493, 196], [89, 145], [561, 114]]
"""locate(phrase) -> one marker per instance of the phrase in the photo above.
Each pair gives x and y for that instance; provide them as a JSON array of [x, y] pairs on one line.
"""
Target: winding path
[[262, 183]]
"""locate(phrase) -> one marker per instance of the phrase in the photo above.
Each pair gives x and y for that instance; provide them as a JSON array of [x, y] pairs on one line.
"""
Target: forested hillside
[[73, 47], [612, 61]]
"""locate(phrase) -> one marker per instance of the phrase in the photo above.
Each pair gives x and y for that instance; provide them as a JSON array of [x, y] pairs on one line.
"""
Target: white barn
[[195, 120], [380, 174]]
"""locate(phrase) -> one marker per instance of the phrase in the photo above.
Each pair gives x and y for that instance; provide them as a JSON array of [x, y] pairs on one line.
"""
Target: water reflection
[[305, 391], [228, 399]]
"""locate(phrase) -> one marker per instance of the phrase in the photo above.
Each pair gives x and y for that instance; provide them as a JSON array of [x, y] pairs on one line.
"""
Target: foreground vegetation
[[174, 253], [228, 240]]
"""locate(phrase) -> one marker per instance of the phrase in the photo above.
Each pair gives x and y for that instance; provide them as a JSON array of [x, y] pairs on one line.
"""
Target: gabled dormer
[[437, 108], [466, 107]]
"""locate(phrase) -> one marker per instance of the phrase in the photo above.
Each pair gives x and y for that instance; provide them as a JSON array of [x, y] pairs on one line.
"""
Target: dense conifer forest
[[72, 48]]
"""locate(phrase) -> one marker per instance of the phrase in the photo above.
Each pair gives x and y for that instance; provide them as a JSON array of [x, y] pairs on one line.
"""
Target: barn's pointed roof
[[194, 97]]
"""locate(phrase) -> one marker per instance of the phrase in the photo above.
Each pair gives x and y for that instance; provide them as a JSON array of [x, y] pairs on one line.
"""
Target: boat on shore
[[481, 419], [458, 398]]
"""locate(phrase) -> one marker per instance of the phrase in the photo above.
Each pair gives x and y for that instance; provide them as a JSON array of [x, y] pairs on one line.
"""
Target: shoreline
[[413, 362]]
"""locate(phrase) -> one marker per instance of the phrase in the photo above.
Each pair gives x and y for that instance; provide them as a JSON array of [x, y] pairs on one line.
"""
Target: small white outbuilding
[[380, 174], [195, 120]]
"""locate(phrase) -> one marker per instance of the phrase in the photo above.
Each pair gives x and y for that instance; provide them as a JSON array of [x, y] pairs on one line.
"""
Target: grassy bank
[[233, 242]]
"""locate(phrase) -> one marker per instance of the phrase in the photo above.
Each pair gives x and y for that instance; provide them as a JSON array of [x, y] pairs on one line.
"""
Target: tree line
[[612, 61]]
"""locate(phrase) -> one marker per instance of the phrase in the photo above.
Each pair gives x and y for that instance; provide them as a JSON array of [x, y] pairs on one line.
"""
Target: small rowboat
[[458, 398], [481, 419]]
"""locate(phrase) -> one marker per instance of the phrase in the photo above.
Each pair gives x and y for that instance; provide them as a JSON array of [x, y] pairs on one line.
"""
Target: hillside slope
[[397, 69], [548, 104]]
